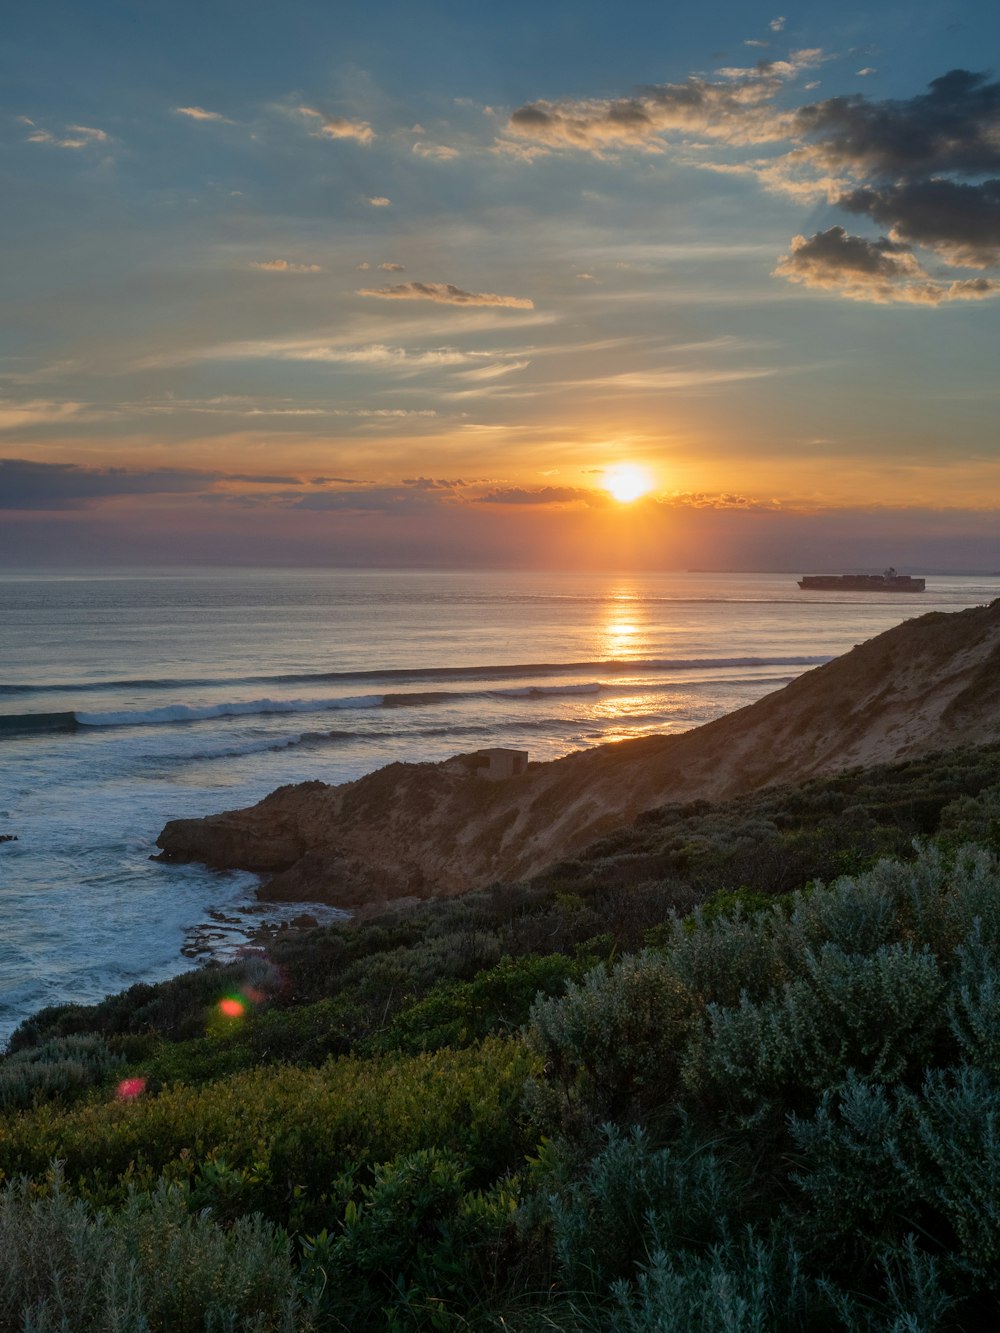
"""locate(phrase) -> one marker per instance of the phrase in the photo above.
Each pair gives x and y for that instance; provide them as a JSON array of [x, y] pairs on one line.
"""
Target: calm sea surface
[[128, 701]]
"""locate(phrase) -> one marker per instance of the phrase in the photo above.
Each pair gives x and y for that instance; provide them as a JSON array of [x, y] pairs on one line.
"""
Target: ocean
[[128, 700]]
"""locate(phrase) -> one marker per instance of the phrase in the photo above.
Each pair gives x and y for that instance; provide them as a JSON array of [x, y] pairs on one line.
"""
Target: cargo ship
[[887, 581]]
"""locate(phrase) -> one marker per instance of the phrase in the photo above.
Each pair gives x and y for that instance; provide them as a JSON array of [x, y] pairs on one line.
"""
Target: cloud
[[386, 412], [77, 136], [436, 483], [777, 69], [866, 73], [284, 266], [776, 25], [543, 495], [381, 356], [916, 167], [390, 267], [199, 113], [739, 109], [339, 481], [445, 293], [926, 169], [953, 128], [31, 485], [882, 271], [959, 221], [436, 152], [678, 378], [715, 500], [37, 412], [338, 127], [494, 371], [379, 201], [736, 111]]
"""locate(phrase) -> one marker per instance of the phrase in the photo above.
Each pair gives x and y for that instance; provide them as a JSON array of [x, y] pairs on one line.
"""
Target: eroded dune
[[424, 830]]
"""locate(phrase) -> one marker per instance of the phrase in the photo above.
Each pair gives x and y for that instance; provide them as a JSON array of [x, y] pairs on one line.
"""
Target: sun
[[627, 481]]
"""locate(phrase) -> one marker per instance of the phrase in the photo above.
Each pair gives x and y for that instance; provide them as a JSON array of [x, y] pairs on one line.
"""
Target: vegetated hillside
[[614, 896], [426, 830], [570, 1104]]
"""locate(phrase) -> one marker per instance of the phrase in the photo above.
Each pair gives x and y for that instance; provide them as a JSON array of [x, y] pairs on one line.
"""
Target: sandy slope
[[430, 829]]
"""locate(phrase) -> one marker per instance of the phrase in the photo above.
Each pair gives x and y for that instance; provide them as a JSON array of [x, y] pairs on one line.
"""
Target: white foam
[[200, 713]]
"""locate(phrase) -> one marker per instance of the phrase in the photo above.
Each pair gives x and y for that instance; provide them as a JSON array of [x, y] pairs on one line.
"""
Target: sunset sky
[[388, 283]]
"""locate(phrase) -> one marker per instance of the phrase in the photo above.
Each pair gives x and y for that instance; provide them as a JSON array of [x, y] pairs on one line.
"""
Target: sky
[[431, 285]]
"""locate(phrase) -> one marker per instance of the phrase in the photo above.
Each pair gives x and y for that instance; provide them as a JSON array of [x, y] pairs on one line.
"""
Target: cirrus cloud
[[445, 293], [199, 113], [284, 266], [75, 136]]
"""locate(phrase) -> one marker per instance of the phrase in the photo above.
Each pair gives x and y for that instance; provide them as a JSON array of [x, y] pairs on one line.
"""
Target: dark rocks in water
[[8, 837]]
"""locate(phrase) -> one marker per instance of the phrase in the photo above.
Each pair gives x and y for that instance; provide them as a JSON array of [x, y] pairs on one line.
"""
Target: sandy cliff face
[[424, 830]]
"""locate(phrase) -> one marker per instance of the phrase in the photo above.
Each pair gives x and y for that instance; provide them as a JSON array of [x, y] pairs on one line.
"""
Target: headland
[[413, 831]]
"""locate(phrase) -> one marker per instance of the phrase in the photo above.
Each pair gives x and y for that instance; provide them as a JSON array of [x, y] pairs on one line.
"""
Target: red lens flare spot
[[130, 1088], [252, 995], [230, 1007]]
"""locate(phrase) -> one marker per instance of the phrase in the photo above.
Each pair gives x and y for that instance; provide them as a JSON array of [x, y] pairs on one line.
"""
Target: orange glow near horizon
[[627, 482]]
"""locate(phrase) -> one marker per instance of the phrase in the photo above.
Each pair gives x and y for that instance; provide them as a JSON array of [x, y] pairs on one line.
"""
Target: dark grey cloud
[[883, 259], [435, 483], [29, 485], [26, 484], [925, 169], [881, 270], [918, 164], [959, 221], [257, 480], [339, 481], [954, 127]]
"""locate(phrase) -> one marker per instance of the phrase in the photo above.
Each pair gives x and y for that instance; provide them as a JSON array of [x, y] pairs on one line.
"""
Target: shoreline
[[415, 831]]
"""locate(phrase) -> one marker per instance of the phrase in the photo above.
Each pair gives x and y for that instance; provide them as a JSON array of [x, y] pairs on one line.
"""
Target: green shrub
[[631, 1198], [61, 1068], [151, 1266], [457, 1013], [746, 1285], [419, 1246], [613, 1043], [880, 1016], [175, 1009], [297, 1129]]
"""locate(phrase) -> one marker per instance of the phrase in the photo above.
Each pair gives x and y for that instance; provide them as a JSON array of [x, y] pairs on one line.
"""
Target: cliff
[[427, 830]]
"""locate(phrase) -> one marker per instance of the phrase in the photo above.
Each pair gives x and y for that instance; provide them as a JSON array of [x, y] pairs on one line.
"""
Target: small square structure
[[496, 764]]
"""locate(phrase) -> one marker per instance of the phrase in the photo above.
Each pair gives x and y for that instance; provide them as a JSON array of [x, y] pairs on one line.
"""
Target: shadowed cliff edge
[[432, 830]]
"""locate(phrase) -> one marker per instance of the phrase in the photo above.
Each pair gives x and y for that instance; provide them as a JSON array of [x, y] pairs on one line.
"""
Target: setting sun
[[627, 482]]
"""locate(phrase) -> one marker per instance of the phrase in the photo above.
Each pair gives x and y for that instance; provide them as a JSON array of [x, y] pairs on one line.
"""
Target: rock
[[417, 831]]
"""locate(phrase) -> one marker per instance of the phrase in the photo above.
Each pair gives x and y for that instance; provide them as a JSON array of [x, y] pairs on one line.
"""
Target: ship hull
[[861, 583]]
